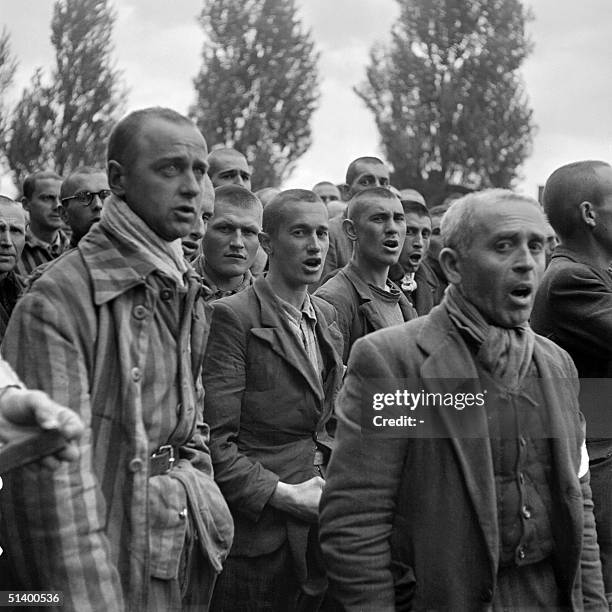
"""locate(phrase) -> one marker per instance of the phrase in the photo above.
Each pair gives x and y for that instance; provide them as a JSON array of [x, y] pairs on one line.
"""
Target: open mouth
[[313, 262], [415, 258], [391, 243], [522, 292]]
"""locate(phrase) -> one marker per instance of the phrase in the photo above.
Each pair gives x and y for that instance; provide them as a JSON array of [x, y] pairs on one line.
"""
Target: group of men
[[223, 351]]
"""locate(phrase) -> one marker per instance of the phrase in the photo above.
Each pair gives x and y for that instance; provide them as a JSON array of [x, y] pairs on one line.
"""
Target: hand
[[299, 500], [28, 408]]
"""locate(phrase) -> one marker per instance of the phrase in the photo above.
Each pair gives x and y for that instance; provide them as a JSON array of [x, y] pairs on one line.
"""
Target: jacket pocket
[[168, 526]]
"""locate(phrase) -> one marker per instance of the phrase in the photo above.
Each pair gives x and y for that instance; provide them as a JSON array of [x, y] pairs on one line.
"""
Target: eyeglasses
[[86, 197]]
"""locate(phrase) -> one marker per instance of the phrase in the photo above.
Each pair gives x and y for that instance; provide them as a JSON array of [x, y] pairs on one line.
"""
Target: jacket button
[[166, 294], [486, 595], [526, 512], [135, 464], [135, 374], [522, 441], [139, 312], [183, 514], [520, 553]]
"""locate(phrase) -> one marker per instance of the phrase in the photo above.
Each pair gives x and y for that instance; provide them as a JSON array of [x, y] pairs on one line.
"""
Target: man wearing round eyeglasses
[[82, 195]]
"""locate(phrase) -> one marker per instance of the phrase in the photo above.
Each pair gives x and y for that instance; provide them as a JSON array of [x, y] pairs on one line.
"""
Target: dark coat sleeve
[[246, 484], [358, 501]]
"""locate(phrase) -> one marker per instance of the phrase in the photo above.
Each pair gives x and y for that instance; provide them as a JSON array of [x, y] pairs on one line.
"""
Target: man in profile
[[271, 372], [231, 242], [515, 530], [363, 296], [45, 239], [115, 332], [573, 308]]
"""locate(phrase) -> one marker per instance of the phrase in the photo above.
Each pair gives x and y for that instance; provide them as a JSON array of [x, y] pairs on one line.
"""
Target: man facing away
[[489, 508], [115, 332], [12, 241], [44, 238], [272, 368], [364, 298], [231, 242], [573, 308]]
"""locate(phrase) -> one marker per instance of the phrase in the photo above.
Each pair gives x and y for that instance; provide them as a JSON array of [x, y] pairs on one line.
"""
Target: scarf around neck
[[167, 257], [505, 352]]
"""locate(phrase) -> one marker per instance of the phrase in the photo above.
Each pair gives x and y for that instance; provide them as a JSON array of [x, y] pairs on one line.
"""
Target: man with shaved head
[[230, 243], [362, 173], [361, 293], [573, 308], [82, 195], [228, 167], [469, 406], [271, 371], [12, 241], [115, 331], [327, 191]]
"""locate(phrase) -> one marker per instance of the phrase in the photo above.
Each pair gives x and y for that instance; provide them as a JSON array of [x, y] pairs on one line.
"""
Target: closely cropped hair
[[236, 195], [412, 207], [29, 184], [214, 158], [566, 188], [126, 132], [458, 224], [352, 171], [273, 212], [65, 189], [365, 196]]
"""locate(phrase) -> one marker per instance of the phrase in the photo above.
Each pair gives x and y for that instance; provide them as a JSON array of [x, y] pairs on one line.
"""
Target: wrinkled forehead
[[363, 208], [228, 160], [85, 182], [509, 216], [12, 213], [158, 136], [46, 185], [364, 168]]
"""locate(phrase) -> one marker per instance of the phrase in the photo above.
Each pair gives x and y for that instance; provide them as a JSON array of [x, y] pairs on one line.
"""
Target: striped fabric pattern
[[36, 252], [99, 332]]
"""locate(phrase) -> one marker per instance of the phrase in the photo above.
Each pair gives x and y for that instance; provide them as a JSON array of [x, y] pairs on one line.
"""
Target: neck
[[43, 233], [224, 283], [373, 275], [592, 251], [294, 295]]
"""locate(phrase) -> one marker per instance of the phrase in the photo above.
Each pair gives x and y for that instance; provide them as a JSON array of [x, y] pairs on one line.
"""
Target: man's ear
[[349, 229], [588, 214], [265, 242], [25, 203], [450, 262], [116, 177], [63, 213]]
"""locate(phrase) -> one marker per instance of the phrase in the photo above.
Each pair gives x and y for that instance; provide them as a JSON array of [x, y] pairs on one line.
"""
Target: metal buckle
[[162, 450]]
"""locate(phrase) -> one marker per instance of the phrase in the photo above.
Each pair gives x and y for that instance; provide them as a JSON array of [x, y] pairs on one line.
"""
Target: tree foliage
[[8, 66], [66, 123], [258, 85], [447, 97]]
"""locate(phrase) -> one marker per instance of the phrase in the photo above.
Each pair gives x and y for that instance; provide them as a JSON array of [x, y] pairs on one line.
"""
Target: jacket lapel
[[449, 364], [277, 333]]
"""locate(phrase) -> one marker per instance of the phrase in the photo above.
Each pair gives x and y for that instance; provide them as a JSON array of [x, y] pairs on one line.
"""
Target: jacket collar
[[276, 331], [114, 267]]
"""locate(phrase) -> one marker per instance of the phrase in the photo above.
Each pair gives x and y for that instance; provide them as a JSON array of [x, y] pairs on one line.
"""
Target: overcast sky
[[158, 45]]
